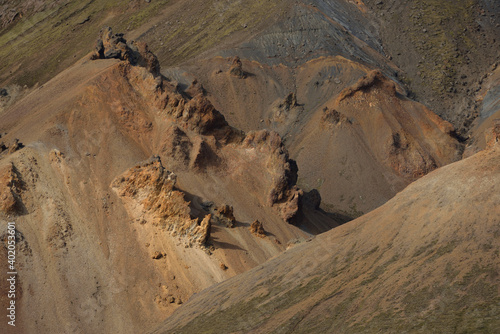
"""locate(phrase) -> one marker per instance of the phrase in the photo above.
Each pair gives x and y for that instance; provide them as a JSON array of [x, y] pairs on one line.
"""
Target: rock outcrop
[[197, 113], [10, 190], [158, 255], [223, 215], [15, 146], [332, 117], [203, 230], [371, 79], [153, 187], [236, 68], [284, 193], [286, 110], [257, 229], [110, 46], [289, 102]]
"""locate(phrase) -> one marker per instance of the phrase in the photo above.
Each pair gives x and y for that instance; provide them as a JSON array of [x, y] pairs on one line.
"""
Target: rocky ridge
[[413, 264], [305, 116], [153, 190], [81, 164], [10, 190]]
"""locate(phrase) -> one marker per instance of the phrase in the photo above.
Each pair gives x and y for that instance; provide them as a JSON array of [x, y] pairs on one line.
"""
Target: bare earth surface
[[263, 166], [426, 261]]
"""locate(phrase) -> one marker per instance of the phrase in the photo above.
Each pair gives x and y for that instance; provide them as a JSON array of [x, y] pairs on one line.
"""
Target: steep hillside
[[41, 38], [101, 224], [445, 49], [356, 138], [209, 144], [312, 50], [426, 261], [440, 50], [489, 117]]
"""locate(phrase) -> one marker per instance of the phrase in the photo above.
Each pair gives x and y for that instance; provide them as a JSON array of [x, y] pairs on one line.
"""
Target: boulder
[[236, 69], [223, 215], [257, 229], [115, 46]]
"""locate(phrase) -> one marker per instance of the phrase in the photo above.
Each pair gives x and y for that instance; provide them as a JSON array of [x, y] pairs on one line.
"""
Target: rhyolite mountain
[[426, 261], [201, 145]]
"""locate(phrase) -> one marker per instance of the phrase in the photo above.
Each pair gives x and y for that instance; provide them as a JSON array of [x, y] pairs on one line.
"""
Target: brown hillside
[[425, 261], [354, 136], [101, 227], [197, 169]]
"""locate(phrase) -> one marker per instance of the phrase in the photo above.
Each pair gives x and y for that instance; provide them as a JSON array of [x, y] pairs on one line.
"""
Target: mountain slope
[[425, 261], [102, 224], [334, 113], [440, 51], [313, 50], [134, 186]]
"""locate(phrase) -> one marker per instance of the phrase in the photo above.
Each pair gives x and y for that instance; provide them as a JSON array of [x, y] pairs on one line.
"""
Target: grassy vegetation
[[426, 248], [41, 44], [211, 23], [379, 270], [141, 16], [439, 30], [468, 305], [250, 313], [442, 250], [334, 319]]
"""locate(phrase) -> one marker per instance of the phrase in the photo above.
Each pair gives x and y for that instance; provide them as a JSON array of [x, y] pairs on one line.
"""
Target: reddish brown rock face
[[258, 229], [85, 172], [423, 234], [10, 190], [270, 122]]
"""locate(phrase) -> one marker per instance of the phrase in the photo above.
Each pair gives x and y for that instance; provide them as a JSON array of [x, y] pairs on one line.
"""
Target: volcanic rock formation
[[110, 46], [414, 264], [136, 227], [10, 190], [296, 115], [151, 188], [258, 229]]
